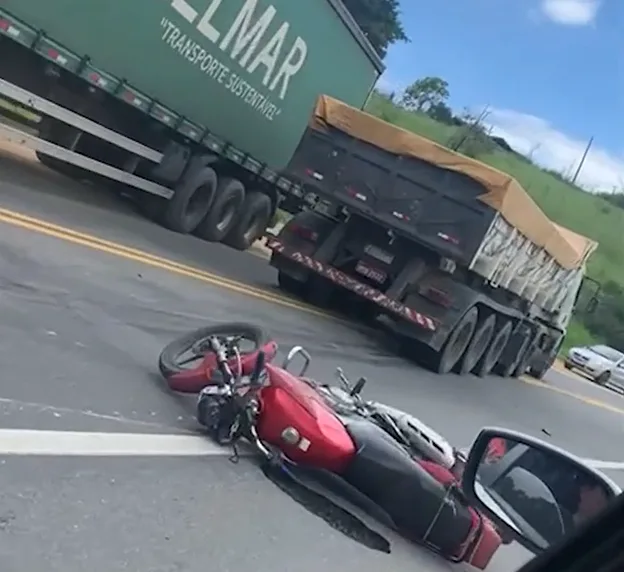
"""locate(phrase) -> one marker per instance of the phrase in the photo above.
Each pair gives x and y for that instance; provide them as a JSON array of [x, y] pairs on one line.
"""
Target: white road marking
[[60, 411], [30, 442], [87, 444]]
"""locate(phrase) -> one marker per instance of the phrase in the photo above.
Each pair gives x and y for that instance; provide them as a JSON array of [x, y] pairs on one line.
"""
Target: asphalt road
[[82, 325]]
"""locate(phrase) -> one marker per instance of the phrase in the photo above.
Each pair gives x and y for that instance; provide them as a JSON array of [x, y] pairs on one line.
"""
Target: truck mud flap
[[345, 281]]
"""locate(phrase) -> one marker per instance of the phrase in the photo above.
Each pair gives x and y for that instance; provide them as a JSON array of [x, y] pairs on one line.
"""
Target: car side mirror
[[533, 491]]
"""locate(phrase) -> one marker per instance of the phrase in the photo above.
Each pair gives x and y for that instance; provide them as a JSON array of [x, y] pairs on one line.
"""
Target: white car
[[602, 363]]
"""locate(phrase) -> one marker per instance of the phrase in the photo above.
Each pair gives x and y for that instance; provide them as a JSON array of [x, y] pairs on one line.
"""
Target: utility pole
[[582, 162], [472, 126]]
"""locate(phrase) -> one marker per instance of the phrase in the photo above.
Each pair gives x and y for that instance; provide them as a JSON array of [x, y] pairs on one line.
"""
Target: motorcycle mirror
[[534, 491], [292, 354], [358, 387], [344, 381]]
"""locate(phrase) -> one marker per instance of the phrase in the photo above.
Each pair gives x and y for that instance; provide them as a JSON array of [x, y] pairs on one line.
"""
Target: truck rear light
[[448, 238], [356, 195], [438, 297], [304, 232], [4, 25], [400, 216], [97, 79], [314, 174]]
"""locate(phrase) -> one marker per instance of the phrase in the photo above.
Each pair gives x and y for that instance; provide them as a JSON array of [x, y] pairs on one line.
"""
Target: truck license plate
[[378, 253], [370, 273]]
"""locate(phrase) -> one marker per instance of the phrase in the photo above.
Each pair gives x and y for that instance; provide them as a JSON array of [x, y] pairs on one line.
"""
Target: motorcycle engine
[[423, 439]]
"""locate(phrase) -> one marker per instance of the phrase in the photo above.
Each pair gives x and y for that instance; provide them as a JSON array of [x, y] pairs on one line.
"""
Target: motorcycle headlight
[[290, 436]]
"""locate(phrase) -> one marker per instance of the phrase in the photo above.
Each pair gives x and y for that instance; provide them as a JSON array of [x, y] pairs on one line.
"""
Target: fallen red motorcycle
[[387, 456]]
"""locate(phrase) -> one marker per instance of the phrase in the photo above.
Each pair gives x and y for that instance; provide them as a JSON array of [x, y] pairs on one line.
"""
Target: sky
[[551, 73]]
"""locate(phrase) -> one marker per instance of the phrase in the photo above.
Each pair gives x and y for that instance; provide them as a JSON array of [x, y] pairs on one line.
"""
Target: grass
[[577, 336], [562, 202]]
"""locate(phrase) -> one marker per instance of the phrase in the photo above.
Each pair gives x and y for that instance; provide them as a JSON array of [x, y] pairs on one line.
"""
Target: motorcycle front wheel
[[184, 355]]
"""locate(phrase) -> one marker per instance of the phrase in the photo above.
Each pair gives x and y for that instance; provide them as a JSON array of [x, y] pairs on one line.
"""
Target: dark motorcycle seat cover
[[387, 474]]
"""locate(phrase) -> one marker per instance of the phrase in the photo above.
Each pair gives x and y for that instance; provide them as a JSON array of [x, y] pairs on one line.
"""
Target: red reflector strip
[[57, 57], [131, 98], [97, 79], [350, 283]]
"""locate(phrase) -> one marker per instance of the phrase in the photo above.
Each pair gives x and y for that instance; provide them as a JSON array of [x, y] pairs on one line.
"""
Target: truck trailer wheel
[[457, 342], [221, 217], [289, 284], [252, 221], [512, 369], [525, 359], [495, 349], [477, 346], [191, 201]]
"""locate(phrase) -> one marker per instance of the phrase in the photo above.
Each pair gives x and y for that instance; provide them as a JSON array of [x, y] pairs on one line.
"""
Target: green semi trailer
[[196, 106]]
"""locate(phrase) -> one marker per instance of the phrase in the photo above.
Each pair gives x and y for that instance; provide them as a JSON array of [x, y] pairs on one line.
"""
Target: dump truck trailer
[[193, 105], [450, 254]]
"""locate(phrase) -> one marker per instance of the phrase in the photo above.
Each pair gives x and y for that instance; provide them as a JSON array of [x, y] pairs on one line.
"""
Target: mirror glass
[[539, 494]]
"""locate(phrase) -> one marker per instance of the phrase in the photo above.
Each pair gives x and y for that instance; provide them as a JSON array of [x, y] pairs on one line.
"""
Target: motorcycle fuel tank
[[296, 419]]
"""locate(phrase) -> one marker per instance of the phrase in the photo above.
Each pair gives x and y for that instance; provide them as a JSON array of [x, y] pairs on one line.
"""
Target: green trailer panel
[[248, 70]]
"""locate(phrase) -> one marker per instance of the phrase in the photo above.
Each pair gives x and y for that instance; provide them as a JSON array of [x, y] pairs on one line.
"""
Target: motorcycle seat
[[388, 475]]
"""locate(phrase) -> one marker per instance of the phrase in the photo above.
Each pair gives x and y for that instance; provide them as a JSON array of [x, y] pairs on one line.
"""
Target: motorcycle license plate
[[370, 272]]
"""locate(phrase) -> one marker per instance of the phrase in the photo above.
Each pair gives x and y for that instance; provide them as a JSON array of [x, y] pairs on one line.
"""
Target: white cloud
[[388, 84], [536, 138], [571, 12]]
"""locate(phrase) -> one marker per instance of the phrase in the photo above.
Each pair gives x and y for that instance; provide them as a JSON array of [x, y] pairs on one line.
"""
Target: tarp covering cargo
[[504, 193]]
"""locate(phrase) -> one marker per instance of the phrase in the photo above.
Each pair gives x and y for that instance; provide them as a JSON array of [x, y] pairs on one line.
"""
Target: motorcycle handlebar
[[258, 368]]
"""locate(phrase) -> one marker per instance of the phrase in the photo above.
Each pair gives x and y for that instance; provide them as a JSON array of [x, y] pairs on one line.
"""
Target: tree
[[442, 113], [425, 93], [380, 21]]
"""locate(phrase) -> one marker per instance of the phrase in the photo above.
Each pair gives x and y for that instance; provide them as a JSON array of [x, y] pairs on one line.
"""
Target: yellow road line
[[119, 250], [128, 253], [578, 396]]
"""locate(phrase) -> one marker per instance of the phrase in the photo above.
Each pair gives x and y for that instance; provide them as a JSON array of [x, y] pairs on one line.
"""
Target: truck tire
[[222, 214], [191, 201], [478, 345], [318, 291], [510, 369], [457, 342], [538, 373], [289, 284], [525, 359], [255, 213], [495, 349]]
